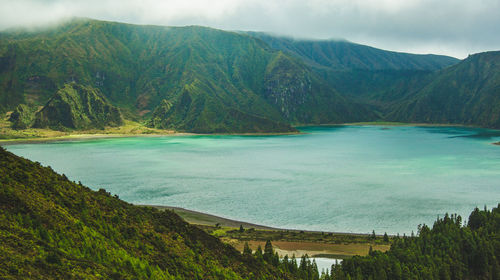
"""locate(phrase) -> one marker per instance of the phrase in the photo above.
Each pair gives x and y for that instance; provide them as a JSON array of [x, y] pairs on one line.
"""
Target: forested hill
[[52, 228]]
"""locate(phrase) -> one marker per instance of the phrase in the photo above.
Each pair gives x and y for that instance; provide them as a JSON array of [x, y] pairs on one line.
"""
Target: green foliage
[[228, 77], [386, 237], [78, 107], [246, 250], [23, 117], [447, 251], [51, 228], [204, 80], [343, 55], [466, 93]]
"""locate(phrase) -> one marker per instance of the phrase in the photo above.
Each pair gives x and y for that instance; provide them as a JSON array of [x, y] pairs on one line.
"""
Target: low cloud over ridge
[[452, 27]]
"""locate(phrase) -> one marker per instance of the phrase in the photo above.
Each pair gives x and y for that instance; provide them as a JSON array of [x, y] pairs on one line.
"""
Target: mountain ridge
[[238, 82], [343, 54]]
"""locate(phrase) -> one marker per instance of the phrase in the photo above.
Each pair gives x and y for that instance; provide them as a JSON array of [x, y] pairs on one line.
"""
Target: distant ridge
[[466, 93], [342, 55]]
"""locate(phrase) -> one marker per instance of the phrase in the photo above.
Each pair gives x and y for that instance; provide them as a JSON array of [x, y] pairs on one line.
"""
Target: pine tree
[[246, 250], [258, 253]]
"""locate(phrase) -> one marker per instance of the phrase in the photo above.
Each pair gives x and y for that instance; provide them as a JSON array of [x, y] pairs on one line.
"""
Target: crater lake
[[330, 178]]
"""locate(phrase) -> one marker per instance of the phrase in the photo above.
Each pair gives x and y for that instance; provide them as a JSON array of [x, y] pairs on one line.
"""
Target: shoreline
[[203, 219], [90, 136], [82, 135], [318, 244]]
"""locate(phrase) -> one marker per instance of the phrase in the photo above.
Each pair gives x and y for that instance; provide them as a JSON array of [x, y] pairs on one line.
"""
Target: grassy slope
[[51, 228], [405, 87]]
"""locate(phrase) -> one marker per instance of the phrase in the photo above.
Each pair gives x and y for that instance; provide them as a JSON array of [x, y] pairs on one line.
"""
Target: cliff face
[[78, 107], [287, 86]]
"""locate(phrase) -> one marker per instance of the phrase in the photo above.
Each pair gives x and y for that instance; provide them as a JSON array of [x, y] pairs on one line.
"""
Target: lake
[[337, 178]]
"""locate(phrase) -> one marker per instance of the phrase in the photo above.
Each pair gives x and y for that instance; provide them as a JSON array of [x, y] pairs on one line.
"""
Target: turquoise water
[[345, 178]]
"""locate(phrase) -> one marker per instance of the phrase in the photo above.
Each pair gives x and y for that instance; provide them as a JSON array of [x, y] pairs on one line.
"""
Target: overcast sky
[[451, 27]]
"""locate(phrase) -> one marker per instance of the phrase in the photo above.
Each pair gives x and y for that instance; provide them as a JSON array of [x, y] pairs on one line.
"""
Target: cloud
[[453, 27]]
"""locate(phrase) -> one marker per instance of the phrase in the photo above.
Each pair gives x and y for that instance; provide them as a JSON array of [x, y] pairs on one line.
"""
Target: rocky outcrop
[[78, 107], [23, 117]]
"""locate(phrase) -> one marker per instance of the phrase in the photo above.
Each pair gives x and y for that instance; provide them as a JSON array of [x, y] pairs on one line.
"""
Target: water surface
[[344, 178]]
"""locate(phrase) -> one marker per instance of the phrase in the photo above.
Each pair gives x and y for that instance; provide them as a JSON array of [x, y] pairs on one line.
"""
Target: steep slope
[[375, 78], [78, 107], [136, 67], [196, 116], [466, 93], [227, 82], [344, 55], [52, 228], [303, 97]]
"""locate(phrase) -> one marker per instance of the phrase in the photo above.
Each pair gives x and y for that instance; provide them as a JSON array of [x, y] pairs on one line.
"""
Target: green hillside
[[52, 228], [78, 107], [136, 67], [23, 116], [198, 79], [447, 251], [466, 93], [405, 87]]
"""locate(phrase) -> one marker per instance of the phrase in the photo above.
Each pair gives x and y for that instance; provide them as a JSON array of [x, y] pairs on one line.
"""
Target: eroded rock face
[[286, 85], [78, 107]]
